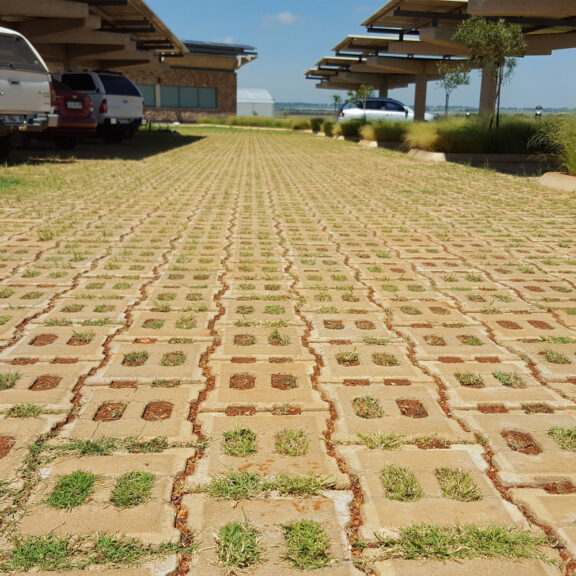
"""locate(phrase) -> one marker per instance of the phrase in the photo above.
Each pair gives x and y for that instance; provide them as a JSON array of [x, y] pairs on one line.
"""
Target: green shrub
[[556, 136], [316, 124], [328, 127], [301, 124], [348, 129], [384, 131]]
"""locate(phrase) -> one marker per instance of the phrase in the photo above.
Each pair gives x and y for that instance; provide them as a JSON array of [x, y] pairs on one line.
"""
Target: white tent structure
[[254, 102]]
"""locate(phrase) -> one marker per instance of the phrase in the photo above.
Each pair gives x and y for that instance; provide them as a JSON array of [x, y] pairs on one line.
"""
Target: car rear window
[[80, 82], [118, 85], [15, 53]]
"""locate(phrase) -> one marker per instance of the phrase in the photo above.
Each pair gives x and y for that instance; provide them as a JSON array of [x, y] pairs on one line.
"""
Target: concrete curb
[[470, 158], [558, 181]]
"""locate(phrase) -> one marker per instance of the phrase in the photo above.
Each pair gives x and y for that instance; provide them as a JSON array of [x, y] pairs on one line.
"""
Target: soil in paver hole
[[487, 359], [434, 340], [440, 310], [540, 325], [118, 384], [286, 410], [432, 444], [334, 324], [492, 409], [240, 411], [412, 408], [279, 360], [534, 288], [242, 381], [157, 411], [45, 383], [6, 443], [44, 340], [356, 382], [364, 325], [77, 341], [450, 360], [244, 340], [109, 412], [565, 487], [243, 360], [509, 325], [521, 442], [64, 361], [283, 381], [397, 382]]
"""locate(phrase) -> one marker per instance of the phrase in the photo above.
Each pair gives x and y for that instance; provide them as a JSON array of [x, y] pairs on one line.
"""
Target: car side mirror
[[406, 111]]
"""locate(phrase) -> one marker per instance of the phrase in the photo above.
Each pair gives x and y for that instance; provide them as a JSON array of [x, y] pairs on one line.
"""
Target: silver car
[[379, 109]]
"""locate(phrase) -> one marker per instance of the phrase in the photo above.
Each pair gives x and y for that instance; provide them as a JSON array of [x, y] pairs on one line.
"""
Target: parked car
[[26, 95], [118, 105], [75, 118], [379, 109]]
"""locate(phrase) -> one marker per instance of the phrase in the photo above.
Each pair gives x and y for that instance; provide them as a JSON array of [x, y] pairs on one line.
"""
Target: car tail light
[[104, 107]]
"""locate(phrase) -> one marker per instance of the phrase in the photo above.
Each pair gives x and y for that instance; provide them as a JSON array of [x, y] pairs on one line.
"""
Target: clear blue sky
[[291, 37]]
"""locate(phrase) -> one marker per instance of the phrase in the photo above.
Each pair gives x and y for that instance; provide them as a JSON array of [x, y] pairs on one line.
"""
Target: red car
[[75, 117]]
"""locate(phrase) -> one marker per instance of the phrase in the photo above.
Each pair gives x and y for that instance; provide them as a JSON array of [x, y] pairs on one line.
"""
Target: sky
[[292, 36]]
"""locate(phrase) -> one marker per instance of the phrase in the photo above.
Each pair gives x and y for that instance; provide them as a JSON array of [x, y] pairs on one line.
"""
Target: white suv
[[378, 109], [26, 95], [118, 105]]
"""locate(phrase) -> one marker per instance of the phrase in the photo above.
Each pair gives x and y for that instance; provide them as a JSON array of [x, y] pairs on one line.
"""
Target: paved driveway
[[264, 333]]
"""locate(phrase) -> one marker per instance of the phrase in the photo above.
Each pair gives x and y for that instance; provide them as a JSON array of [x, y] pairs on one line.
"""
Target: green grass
[[72, 490], [367, 407], [387, 131], [457, 484], [274, 310], [176, 358], [385, 359], [555, 357], [510, 379], [380, 441], [136, 445], [132, 489], [8, 380], [239, 442], [400, 484], [307, 545], [186, 322], [426, 541], [470, 379], [135, 358], [564, 437], [303, 485], [47, 553], [276, 338], [24, 411], [238, 545], [103, 446], [291, 442]]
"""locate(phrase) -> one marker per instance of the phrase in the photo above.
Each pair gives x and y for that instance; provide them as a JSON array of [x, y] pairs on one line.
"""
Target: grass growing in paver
[[367, 407], [470, 379], [54, 553], [555, 357], [8, 380], [400, 484], [24, 411], [382, 441], [186, 322], [134, 359], [564, 437], [457, 484], [307, 545], [238, 545], [239, 442], [430, 541], [510, 379], [235, 485], [277, 338], [132, 489], [291, 442], [385, 359], [72, 490], [176, 358]]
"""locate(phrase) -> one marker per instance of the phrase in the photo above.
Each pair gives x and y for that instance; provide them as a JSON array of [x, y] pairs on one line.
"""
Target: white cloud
[[283, 18], [227, 40]]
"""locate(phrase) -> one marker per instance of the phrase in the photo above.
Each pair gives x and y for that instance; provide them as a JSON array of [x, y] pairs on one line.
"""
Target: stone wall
[[173, 73]]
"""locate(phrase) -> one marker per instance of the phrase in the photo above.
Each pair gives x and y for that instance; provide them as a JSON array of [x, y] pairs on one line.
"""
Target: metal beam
[[51, 9]]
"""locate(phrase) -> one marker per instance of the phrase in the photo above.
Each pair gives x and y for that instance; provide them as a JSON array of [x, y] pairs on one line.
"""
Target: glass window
[[16, 53], [118, 85], [148, 93], [170, 96], [395, 106], [188, 97], [207, 98], [79, 81]]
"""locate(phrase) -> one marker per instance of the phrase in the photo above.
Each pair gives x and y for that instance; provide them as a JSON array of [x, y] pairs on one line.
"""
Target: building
[[254, 102], [180, 80]]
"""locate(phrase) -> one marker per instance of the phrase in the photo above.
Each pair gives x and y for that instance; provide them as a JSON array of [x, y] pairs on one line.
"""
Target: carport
[[407, 39]]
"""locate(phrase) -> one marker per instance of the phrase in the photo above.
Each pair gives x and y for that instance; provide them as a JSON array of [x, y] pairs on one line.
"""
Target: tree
[[360, 95], [451, 79], [493, 46], [337, 103]]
